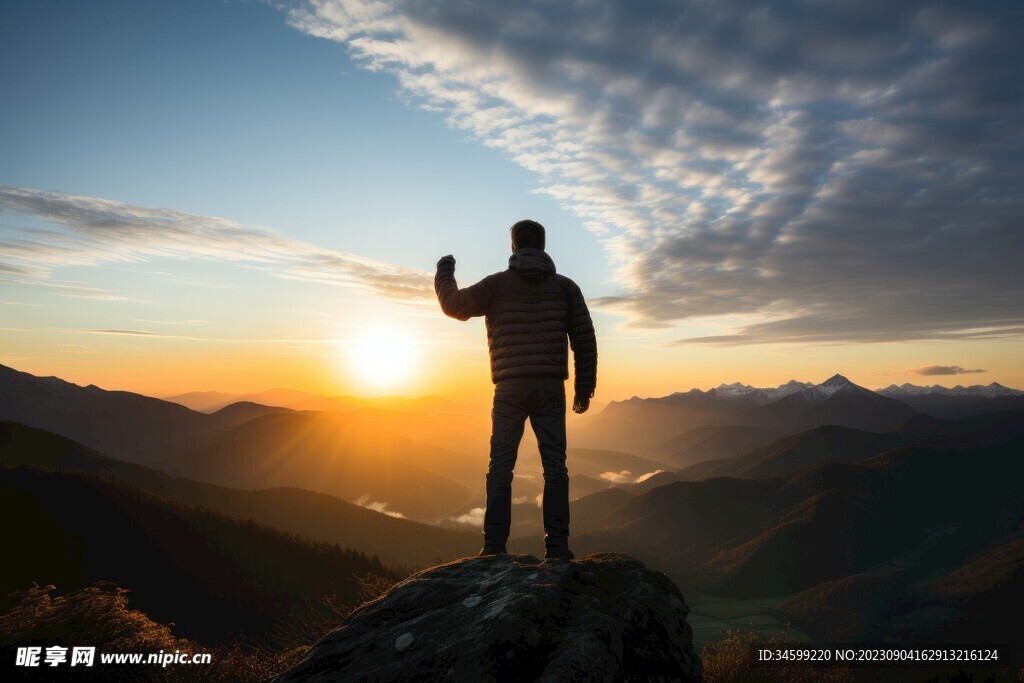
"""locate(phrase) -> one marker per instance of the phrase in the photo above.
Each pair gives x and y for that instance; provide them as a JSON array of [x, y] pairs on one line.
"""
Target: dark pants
[[542, 399]]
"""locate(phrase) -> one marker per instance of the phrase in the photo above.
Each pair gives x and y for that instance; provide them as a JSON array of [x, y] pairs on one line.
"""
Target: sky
[[230, 195]]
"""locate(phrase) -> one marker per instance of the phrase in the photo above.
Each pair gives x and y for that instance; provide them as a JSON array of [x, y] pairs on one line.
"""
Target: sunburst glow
[[383, 358]]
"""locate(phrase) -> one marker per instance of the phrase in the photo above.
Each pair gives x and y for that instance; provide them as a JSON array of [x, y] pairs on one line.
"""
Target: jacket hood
[[531, 264]]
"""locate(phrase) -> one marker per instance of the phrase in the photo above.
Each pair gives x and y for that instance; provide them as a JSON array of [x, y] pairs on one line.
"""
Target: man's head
[[527, 234]]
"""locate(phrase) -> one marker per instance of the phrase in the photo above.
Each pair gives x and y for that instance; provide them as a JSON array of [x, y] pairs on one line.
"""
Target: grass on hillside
[[99, 616], [728, 661]]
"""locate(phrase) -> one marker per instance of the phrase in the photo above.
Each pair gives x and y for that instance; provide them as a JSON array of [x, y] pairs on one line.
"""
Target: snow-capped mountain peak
[[790, 387], [734, 389], [836, 381], [828, 387], [740, 393], [993, 390]]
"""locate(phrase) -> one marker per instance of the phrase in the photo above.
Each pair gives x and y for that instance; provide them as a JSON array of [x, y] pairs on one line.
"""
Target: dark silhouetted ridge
[[321, 517], [214, 576]]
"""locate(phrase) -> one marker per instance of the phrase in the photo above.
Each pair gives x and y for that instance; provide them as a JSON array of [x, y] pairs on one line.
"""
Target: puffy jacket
[[532, 315]]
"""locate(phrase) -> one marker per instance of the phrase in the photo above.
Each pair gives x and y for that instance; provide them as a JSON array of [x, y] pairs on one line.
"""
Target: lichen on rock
[[512, 617]]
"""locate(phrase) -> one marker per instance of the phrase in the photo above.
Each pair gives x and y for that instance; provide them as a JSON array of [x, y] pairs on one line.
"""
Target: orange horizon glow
[[369, 365]]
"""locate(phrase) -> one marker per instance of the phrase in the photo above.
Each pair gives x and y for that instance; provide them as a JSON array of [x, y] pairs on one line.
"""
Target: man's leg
[[547, 417], [507, 418]]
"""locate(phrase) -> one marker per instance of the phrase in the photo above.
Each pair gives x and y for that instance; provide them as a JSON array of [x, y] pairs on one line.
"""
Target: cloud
[[940, 370], [172, 322], [623, 477], [626, 477], [131, 333], [644, 477], [91, 231], [474, 517], [225, 340], [365, 501], [827, 172]]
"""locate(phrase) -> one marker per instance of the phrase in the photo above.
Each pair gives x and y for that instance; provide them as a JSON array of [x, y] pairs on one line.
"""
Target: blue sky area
[[751, 193], [220, 108]]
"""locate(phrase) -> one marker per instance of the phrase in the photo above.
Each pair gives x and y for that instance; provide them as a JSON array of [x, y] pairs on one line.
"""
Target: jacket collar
[[531, 264]]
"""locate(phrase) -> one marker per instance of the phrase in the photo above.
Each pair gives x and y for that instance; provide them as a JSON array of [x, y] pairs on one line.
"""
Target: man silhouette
[[532, 315]]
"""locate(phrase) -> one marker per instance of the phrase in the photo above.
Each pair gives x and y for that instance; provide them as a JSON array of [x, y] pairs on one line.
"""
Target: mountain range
[[216, 577], [993, 390], [958, 401], [320, 517], [352, 454], [780, 535], [796, 495], [396, 461], [649, 425], [335, 456], [791, 407], [212, 401], [842, 444], [710, 442]]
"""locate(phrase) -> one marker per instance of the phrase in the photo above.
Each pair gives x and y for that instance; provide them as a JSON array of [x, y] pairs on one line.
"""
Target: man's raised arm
[[461, 304]]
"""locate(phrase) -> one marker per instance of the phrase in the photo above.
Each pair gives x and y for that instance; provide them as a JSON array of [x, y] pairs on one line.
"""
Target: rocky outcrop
[[605, 617]]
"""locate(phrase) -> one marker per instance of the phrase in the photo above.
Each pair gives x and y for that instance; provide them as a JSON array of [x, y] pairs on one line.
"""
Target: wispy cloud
[[644, 477], [938, 370], [627, 477], [367, 502], [172, 322], [835, 172], [474, 517], [133, 333], [92, 231], [225, 340]]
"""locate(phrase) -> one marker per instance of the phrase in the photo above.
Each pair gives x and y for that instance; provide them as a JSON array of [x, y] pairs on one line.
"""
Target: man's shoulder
[[566, 283], [496, 283], [497, 277]]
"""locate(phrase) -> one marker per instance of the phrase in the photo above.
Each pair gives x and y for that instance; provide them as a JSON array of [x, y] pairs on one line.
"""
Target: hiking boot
[[492, 550], [558, 555]]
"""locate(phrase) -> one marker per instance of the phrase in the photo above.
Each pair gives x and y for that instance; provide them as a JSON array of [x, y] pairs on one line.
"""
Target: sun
[[383, 358]]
